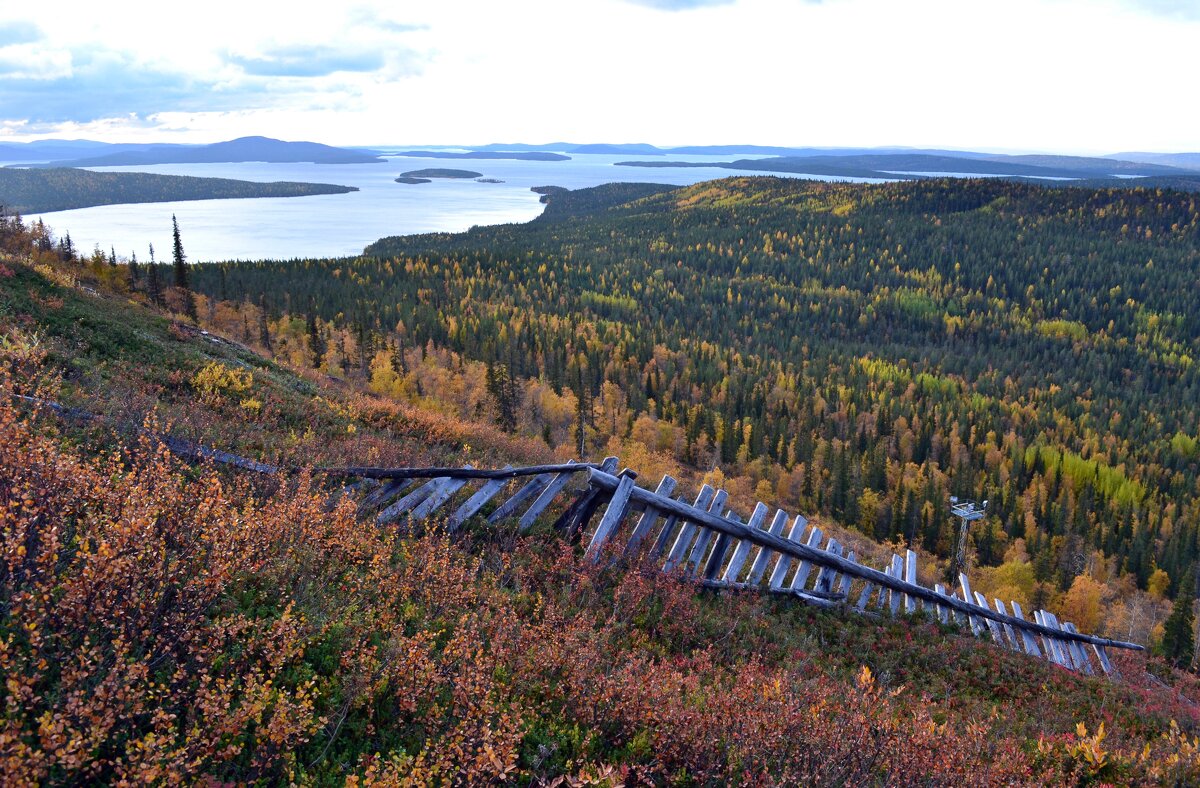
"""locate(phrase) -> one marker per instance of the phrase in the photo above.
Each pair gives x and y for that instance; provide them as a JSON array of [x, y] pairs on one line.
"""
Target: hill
[[183, 623], [243, 149], [29, 191], [511, 155]]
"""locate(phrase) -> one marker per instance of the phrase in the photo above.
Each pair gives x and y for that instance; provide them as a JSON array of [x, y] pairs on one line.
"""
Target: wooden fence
[[705, 540]]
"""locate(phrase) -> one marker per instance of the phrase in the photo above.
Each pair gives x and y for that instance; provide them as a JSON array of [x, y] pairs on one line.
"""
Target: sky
[[1070, 76]]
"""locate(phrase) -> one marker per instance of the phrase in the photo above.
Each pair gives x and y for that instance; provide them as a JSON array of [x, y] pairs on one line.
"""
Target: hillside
[[29, 191], [194, 621], [862, 352]]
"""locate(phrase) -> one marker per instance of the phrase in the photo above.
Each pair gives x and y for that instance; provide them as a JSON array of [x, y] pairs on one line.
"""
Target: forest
[[858, 351], [27, 191]]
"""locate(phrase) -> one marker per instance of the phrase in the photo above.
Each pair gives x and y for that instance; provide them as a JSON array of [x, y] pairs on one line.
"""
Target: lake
[[336, 225]]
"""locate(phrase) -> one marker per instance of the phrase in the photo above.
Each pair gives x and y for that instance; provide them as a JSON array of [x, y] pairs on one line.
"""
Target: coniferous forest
[[859, 351]]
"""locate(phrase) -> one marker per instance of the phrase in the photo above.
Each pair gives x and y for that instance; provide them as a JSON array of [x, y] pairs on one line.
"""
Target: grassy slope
[[411, 657]]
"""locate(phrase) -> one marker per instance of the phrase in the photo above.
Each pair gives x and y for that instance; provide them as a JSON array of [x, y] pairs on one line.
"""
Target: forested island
[[424, 176], [242, 149], [60, 189]]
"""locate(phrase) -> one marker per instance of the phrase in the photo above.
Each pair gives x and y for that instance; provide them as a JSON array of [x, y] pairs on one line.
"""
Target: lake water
[[335, 225]]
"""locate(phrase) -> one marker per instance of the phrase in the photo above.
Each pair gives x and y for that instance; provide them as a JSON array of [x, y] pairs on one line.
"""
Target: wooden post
[[993, 627], [742, 551], [645, 523], [612, 518], [785, 561], [552, 489], [802, 571], [864, 596]]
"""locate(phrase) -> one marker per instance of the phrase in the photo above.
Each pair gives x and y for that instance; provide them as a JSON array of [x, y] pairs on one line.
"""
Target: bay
[[337, 225]]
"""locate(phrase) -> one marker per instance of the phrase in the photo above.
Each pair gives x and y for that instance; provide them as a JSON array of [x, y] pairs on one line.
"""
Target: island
[[243, 149], [29, 191], [419, 176], [488, 180]]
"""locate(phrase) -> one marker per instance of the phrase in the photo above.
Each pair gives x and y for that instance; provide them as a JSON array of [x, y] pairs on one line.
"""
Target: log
[[705, 536], [442, 494], [844, 586], [532, 487], [827, 575], [415, 497], [910, 575], [703, 498]]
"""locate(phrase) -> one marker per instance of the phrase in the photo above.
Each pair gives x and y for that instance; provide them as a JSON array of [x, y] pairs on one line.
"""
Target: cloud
[[107, 84], [19, 32], [1179, 9], [298, 60], [370, 18], [680, 5]]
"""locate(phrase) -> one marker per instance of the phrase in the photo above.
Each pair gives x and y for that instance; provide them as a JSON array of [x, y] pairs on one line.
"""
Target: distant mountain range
[[82, 153]]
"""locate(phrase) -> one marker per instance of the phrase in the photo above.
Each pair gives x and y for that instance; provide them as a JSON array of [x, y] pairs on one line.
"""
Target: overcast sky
[[1088, 76]]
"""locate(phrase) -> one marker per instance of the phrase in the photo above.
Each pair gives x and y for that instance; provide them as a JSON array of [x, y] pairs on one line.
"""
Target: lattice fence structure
[[706, 540]]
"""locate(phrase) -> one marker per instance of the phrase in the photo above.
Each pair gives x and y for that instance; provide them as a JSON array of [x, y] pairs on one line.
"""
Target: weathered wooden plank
[[1081, 655], [406, 503], [650, 515], [742, 551], [1031, 646], [612, 518], [779, 574], [897, 570], [531, 488], [428, 473], [976, 624], [1009, 633], [805, 567], [844, 585], [910, 576], [942, 613], [1052, 643], [763, 557], [574, 520], [703, 499], [547, 496], [1102, 655], [488, 490], [705, 537], [804, 552], [864, 596], [1072, 658], [688, 530], [827, 575], [443, 493], [992, 626], [384, 492]]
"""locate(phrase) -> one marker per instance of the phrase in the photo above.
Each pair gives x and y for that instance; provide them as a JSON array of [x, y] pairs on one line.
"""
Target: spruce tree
[[153, 285], [264, 328], [181, 273], [1178, 644]]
